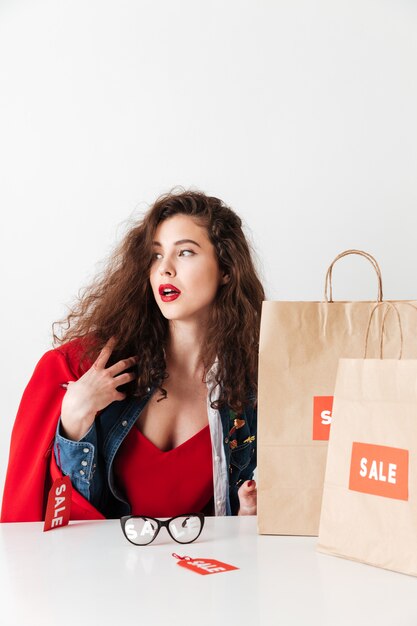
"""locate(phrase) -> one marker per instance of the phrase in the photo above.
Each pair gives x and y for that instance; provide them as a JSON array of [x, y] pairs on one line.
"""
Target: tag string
[[181, 558]]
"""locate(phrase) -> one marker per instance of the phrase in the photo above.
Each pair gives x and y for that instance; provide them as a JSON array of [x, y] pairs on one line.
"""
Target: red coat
[[32, 466]]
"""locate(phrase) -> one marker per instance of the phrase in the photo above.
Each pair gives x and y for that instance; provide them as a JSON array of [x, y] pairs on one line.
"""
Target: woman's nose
[[166, 268]]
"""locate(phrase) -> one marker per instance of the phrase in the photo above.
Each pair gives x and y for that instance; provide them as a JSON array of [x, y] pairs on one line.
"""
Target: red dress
[[165, 484]]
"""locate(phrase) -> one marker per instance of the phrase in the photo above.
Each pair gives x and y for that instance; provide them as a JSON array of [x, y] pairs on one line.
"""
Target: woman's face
[[185, 262]]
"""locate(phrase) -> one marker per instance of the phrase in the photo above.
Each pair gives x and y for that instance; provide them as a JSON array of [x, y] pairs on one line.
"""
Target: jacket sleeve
[[79, 460], [32, 466], [243, 458], [247, 472]]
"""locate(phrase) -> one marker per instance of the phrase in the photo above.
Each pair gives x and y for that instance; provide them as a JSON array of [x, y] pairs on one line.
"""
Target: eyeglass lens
[[142, 530], [185, 528]]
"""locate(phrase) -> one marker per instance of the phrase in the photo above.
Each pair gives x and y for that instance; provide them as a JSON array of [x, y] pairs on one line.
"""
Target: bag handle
[[390, 306], [328, 283]]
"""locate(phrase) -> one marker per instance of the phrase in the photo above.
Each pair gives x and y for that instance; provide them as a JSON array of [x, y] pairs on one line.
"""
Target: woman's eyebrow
[[177, 243]]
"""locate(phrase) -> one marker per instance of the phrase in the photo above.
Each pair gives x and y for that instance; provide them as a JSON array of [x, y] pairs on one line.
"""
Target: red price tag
[[206, 566], [58, 508]]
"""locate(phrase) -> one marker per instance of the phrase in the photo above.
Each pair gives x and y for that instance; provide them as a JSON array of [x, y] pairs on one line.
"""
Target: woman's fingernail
[[250, 483]]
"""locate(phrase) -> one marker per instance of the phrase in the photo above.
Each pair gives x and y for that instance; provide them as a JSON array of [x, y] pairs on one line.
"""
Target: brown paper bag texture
[[369, 508], [300, 346]]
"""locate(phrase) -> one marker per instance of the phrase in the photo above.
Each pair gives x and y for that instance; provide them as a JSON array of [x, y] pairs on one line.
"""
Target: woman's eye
[[158, 255]]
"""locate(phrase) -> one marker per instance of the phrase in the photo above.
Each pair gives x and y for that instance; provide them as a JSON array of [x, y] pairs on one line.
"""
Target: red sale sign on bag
[[58, 508], [379, 470], [322, 417]]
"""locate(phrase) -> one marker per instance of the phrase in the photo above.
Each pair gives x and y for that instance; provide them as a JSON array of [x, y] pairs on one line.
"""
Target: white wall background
[[300, 114]]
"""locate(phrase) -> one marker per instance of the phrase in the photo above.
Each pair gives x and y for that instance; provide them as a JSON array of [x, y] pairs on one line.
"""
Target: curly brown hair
[[119, 303]]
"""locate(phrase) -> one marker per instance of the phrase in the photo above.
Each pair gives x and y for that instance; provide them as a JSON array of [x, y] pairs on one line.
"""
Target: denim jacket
[[89, 461]]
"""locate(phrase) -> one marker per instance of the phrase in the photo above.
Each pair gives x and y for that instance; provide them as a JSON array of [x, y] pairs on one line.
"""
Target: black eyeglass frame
[[161, 524]]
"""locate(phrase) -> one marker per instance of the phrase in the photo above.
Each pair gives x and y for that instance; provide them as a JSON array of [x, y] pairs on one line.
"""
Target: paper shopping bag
[[369, 507], [300, 346]]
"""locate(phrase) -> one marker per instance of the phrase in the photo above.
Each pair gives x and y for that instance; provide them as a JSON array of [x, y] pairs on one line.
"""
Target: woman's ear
[[225, 279]]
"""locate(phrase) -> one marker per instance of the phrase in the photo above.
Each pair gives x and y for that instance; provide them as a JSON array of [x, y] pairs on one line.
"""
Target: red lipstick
[[168, 292]]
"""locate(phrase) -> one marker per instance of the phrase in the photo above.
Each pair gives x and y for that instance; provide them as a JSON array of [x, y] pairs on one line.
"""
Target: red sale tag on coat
[[206, 566], [58, 508]]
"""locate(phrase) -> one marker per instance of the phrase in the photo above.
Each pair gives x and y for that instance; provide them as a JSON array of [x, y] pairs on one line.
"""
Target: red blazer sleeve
[[32, 468]]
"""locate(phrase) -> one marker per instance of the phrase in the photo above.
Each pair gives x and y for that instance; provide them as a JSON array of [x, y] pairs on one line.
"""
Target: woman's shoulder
[[73, 352]]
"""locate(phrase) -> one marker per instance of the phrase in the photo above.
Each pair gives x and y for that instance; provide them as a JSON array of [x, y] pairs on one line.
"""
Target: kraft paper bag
[[369, 508], [300, 346]]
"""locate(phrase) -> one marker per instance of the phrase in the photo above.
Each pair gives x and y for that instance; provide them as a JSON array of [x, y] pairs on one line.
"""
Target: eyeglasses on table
[[141, 530]]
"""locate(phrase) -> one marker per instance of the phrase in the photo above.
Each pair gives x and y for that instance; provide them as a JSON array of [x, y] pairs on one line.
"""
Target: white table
[[88, 574]]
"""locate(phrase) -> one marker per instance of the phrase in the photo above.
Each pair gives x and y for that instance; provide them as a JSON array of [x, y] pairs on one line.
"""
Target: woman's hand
[[247, 498], [95, 390]]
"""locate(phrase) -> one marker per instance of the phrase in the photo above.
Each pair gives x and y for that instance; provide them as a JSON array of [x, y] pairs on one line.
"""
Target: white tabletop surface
[[88, 574]]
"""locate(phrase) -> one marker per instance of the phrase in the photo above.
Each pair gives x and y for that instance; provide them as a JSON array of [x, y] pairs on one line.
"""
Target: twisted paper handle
[[328, 288]]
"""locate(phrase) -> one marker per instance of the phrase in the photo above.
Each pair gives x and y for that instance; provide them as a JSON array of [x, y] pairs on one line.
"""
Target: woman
[[148, 402]]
